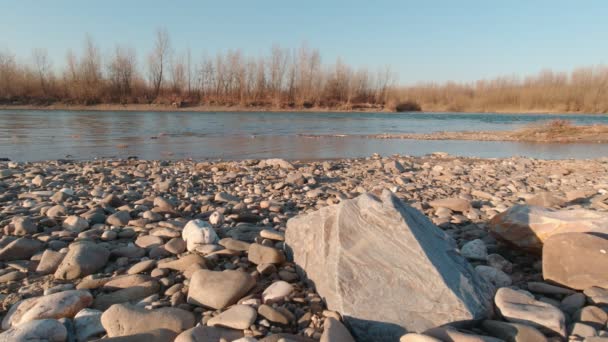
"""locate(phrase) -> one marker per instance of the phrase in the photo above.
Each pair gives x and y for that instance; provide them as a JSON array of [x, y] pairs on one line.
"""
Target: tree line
[[283, 78], [584, 90]]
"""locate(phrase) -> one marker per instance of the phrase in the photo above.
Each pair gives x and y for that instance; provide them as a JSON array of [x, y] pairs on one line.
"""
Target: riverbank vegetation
[[584, 90], [284, 79]]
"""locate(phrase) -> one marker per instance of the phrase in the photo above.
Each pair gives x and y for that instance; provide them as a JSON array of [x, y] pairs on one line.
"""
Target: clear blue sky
[[422, 40]]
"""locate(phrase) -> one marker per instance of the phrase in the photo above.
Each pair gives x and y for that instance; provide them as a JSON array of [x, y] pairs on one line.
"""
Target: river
[[33, 135]]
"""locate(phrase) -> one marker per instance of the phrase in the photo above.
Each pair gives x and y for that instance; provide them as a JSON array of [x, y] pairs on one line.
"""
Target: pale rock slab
[[386, 268]]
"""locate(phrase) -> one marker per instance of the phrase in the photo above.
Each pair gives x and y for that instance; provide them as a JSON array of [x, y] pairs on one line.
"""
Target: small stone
[[592, 316], [455, 204], [272, 235], [127, 319], [239, 317], [23, 226], [582, 330], [573, 303], [226, 198], [87, 324], [447, 333], [176, 246], [272, 314], [56, 305], [475, 250], [44, 330], [497, 277], [184, 263], [259, 254], [49, 262], [518, 307], [20, 249], [394, 166], [235, 245], [203, 334], [334, 330], [75, 224], [197, 233], [277, 292], [414, 337], [539, 287], [142, 266], [12, 276], [499, 262], [148, 241], [216, 219], [82, 259], [119, 219], [513, 331], [126, 294], [218, 290]]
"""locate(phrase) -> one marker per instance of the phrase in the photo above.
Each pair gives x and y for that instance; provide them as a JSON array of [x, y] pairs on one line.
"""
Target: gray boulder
[[386, 268]]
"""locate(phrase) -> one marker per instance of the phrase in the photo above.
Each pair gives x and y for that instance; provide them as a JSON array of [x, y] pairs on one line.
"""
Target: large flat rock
[[528, 227], [386, 268], [576, 260]]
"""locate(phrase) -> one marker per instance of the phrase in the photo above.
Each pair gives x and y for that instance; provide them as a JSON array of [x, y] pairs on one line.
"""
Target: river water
[[28, 135]]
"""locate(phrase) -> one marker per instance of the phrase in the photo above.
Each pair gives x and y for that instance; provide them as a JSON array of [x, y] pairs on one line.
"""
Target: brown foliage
[[584, 90]]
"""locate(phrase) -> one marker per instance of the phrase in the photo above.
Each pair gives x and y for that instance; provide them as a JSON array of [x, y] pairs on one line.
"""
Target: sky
[[422, 41]]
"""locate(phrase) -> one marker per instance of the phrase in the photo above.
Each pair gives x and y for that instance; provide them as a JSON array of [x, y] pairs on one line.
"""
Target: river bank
[[245, 109], [87, 238]]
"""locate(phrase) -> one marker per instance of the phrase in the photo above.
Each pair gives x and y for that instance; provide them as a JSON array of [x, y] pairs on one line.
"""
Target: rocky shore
[[434, 248]]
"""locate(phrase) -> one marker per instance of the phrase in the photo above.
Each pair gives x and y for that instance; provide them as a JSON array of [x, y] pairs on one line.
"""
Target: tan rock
[[527, 227], [218, 290], [576, 260], [519, 307], [455, 204], [335, 331], [126, 319], [204, 334], [57, 305]]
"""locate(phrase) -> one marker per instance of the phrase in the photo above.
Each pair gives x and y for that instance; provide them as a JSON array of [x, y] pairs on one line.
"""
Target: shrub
[[408, 106]]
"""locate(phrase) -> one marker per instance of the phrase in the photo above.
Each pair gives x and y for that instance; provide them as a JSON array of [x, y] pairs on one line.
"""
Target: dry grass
[[584, 90]]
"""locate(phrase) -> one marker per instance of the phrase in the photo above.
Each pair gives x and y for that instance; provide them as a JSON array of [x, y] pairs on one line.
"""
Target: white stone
[[197, 233], [276, 292]]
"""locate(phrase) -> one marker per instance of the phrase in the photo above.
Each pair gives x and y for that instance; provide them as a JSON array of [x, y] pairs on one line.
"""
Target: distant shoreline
[[539, 133], [222, 109]]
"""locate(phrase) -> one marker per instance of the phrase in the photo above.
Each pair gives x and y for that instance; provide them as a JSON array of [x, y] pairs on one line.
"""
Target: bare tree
[[121, 72], [158, 59], [8, 73], [178, 75], [43, 68], [278, 65], [90, 71]]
